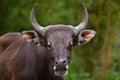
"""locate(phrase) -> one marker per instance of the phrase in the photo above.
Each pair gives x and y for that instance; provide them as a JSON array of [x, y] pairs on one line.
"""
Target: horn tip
[[83, 5], [34, 5], [84, 9]]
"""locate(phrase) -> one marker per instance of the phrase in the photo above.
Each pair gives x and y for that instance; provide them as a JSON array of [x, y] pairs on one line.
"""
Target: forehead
[[59, 32]]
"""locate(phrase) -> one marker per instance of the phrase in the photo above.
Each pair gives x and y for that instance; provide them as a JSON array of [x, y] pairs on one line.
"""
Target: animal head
[[59, 40]]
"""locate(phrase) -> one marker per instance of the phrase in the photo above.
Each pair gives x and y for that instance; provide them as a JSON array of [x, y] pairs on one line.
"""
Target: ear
[[85, 36], [29, 35]]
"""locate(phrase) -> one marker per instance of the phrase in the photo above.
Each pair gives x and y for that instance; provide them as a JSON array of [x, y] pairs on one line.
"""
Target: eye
[[49, 45], [70, 44]]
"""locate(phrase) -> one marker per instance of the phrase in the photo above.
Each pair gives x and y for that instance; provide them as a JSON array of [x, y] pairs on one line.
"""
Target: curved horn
[[84, 22], [34, 22]]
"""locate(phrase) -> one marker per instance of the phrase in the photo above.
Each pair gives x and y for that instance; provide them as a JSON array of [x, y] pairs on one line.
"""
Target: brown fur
[[20, 60], [8, 39], [23, 60]]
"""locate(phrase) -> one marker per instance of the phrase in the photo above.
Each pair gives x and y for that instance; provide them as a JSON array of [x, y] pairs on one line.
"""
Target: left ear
[[85, 36]]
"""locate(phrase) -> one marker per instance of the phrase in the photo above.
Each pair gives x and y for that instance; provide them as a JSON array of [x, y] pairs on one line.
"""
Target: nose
[[61, 61]]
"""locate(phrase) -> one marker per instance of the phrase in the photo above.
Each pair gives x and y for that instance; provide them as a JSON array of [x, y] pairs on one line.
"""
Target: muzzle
[[60, 66]]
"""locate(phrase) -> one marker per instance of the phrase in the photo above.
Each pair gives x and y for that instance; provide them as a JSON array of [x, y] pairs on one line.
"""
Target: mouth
[[61, 71]]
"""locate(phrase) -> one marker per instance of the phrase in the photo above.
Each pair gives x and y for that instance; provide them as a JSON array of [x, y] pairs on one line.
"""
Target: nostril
[[61, 61], [64, 61], [56, 62]]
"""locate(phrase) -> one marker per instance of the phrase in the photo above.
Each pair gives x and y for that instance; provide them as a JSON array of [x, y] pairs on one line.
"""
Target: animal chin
[[61, 71]]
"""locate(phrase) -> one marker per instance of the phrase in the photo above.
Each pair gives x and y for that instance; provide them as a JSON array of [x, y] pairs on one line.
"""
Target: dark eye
[[70, 45], [49, 45]]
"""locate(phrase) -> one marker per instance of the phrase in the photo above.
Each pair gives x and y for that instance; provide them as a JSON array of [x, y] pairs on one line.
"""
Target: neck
[[43, 69]]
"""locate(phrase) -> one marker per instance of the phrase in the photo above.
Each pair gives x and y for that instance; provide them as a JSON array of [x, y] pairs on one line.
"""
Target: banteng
[[42, 54]]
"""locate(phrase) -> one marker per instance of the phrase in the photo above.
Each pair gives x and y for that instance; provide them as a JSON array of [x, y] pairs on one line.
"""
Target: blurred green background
[[97, 60]]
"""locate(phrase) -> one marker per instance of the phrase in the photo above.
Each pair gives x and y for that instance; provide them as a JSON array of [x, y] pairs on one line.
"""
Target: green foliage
[[88, 61]]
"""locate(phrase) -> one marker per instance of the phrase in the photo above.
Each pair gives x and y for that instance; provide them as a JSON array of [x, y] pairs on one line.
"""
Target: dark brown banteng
[[44, 54]]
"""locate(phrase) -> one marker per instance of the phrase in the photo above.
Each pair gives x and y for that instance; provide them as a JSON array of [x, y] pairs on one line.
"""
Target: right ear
[[29, 35], [32, 36]]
